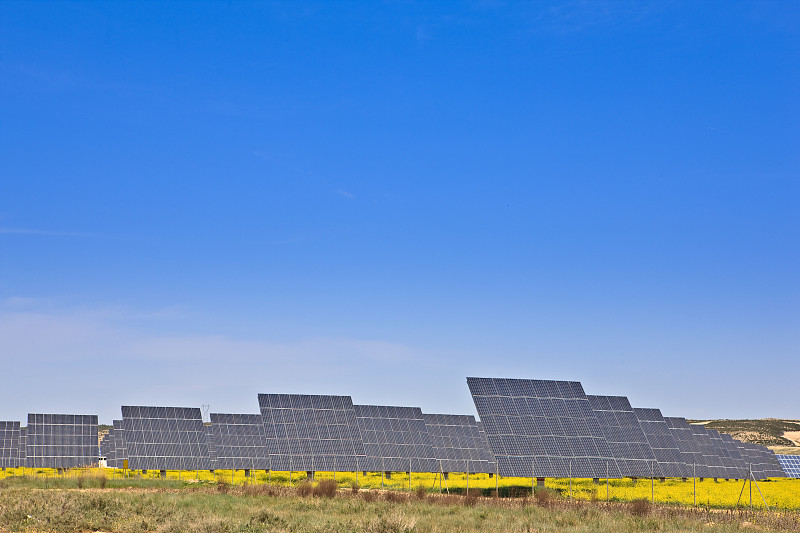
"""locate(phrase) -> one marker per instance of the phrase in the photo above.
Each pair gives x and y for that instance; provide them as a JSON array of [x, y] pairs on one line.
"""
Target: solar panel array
[[527, 427], [541, 428], [61, 441], [711, 457], [165, 438], [760, 460], [107, 448], [459, 444], [238, 442], [665, 449], [23, 448], [626, 439], [9, 444], [395, 439], [790, 464], [311, 432], [690, 451], [735, 467], [212, 447]]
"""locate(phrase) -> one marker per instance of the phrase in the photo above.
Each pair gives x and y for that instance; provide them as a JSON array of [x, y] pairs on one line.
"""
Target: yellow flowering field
[[781, 493]]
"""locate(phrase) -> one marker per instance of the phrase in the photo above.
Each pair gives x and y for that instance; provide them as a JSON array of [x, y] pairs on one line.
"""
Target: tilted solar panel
[[395, 439], [23, 448], [211, 442], [760, 460], [311, 432], [773, 467], [690, 451], [165, 438], [790, 465], [62, 441], [732, 462], [459, 444], [542, 428], [239, 442], [107, 448], [711, 457], [9, 444], [120, 450], [665, 449], [626, 439]]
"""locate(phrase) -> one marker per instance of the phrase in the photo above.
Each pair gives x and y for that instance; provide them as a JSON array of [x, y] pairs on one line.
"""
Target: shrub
[[355, 487], [640, 507], [395, 497], [545, 496], [369, 496], [421, 493], [326, 489], [223, 486], [305, 489], [471, 498]]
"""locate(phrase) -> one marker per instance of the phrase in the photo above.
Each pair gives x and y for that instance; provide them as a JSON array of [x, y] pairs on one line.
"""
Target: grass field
[[778, 493], [144, 505]]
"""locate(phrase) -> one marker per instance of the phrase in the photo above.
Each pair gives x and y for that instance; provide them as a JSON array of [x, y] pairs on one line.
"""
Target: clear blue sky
[[204, 201]]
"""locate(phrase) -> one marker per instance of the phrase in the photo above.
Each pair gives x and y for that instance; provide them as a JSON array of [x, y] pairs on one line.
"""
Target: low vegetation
[[714, 494], [256, 508]]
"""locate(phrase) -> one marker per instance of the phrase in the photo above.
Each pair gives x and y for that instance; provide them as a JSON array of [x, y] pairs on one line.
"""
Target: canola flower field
[[782, 493]]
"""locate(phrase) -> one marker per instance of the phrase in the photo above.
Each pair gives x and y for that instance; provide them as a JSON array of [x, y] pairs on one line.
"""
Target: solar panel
[[395, 439], [107, 448], [542, 428], [626, 439], [459, 444], [212, 447], [62, 441], [9, 444], [735, 468], [23, 448], [238, 441], [760, 460], [790, 465], [665, 449], [772, 467], [690, 451], [311, 432], [165, 438], [120, 449], [711, 458]]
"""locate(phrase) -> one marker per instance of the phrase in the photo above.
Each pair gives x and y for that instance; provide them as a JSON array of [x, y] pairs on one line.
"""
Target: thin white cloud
[[128, 363]]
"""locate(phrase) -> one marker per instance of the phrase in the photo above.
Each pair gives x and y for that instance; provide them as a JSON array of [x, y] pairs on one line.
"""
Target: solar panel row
[[553, 429], [61, 441], [626, 439], [542, 428], [395, 438], [164, 438], [9, 444], [790, 464], [528, 427], [459, 444]]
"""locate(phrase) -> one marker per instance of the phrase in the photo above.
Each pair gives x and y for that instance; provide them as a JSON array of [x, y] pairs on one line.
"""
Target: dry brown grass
[[326, 489], [304, 489], [640, 507]]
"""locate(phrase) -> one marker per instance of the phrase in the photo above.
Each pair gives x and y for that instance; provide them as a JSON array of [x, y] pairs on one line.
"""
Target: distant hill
[[772, 432]]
